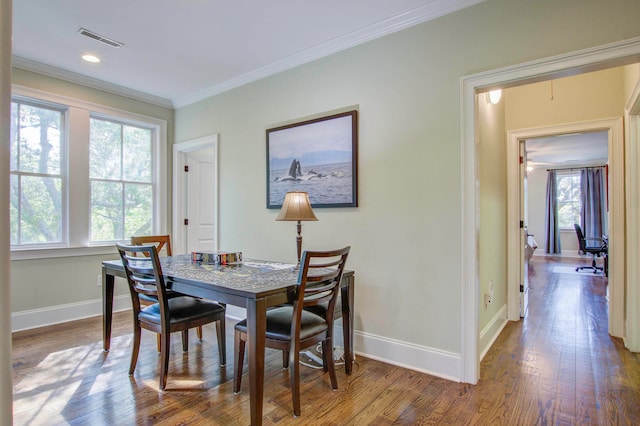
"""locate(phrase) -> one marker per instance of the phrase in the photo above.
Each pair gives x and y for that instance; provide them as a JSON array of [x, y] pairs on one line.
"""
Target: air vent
[[102, 39]]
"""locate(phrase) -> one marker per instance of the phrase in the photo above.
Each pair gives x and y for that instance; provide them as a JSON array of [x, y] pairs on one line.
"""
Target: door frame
[[180, 150], [591, 59], [632, 149], [523, 235], [615, 131]]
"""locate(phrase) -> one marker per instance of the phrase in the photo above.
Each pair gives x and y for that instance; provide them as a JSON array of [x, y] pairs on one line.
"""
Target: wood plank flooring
[[558, 366]]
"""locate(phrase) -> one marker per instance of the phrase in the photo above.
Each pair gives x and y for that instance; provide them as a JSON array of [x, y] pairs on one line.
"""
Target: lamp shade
[[296, 206]]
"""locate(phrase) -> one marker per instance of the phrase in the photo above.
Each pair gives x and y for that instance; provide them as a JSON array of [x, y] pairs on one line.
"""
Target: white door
[[524, 235], [201, 200]]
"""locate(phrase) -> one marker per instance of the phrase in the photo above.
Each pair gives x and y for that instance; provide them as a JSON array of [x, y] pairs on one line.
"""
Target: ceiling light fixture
[[494, 96], [91, 58]]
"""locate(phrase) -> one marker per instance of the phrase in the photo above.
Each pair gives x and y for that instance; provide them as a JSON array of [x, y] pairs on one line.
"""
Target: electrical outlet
[[488, 293], [99, 280]]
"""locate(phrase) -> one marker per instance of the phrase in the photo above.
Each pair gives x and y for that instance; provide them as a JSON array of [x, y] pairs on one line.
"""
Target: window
[[82, 176], [36, 173], [568, 193], [121, 180]]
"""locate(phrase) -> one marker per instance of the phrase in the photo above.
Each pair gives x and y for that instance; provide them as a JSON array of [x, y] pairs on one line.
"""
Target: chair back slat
[[144, 273], [320, 276]]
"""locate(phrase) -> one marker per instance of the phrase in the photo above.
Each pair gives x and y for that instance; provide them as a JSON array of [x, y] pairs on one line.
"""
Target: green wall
[[406, 233]]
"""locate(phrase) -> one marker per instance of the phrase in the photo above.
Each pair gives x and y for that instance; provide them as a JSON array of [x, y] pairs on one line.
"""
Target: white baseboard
[[447, 365], [565, 253], [34, 318], [492, 330], [432, 361], [415, 357]]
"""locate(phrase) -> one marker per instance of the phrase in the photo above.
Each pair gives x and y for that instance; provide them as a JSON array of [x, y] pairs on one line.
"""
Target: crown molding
[[418, 15], [29, 65]]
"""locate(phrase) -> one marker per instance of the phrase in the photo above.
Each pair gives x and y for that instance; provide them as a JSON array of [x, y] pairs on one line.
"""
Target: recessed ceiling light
[[91, 58]]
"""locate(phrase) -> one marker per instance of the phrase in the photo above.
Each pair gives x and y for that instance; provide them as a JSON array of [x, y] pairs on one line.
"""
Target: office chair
[[594, 250]]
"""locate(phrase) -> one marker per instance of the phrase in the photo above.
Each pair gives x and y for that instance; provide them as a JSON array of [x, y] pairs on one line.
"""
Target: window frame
[[568, 173], [64, 149], [76, 223], [121, 180]]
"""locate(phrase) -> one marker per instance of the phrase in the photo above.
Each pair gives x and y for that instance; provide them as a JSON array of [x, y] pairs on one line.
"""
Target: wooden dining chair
[[167, 315], [291, 328], [162, 242]]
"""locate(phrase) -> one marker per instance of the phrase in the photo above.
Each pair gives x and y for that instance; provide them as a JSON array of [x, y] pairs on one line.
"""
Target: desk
[[254, 285]]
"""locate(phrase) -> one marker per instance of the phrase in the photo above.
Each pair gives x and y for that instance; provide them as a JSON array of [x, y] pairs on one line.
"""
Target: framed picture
[[318, 156]]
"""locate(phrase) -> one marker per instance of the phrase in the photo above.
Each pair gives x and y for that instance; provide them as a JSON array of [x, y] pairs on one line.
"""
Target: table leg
[[256, 329], [107, 308], [347, 323]]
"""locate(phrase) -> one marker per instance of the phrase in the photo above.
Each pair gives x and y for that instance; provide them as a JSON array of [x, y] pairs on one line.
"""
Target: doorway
[[614, 130], [615, 54], [566, 154], [203, 154]]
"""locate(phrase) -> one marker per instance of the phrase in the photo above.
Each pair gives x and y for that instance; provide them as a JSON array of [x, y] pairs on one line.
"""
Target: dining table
[[255, 285]]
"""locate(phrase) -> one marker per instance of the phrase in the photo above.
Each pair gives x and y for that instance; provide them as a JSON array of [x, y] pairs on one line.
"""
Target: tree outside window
[[82, 175], [36, 174], [568, 192], [120, 171]]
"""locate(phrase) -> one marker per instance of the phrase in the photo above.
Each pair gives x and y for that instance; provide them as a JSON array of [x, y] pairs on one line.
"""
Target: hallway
[[559, 363]]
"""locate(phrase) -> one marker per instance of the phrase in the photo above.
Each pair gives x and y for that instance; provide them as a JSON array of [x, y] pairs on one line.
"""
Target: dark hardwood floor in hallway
[[557, 366]]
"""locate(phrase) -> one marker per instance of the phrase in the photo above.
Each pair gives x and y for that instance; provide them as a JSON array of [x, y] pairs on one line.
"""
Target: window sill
[[48, 253]]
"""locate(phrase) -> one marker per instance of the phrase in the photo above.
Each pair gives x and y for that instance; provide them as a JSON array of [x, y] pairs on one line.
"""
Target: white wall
[[536, 191]]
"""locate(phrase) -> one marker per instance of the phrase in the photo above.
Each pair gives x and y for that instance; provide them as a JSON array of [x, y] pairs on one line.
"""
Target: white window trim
[[78, 242], [560, 172]]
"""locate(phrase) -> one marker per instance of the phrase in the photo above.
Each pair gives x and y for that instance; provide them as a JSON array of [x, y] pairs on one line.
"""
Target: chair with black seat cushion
[[167, 315], [291, 328], [162, 242], [597, 249]]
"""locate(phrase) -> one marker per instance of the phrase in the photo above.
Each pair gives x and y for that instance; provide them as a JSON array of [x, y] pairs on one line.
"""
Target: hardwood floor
[[557, 366]]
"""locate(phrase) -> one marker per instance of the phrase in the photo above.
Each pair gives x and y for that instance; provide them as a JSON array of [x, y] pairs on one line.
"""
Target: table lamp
[[296, 206]]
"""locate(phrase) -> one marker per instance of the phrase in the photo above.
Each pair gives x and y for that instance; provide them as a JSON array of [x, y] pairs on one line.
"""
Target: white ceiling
[[568, 150], [180, 51]]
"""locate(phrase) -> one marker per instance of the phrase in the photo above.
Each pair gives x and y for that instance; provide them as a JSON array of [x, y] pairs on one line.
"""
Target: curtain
[[593, 193], [552, 236]]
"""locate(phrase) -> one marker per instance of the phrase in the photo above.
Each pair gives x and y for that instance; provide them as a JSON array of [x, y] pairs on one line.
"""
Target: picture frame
[[318, 156]]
